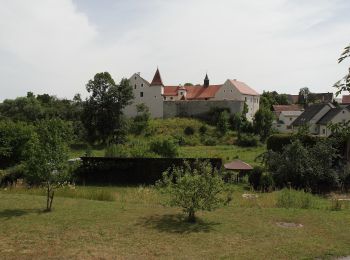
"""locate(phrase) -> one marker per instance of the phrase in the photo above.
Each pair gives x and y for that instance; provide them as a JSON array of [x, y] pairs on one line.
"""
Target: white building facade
[[153, 94]]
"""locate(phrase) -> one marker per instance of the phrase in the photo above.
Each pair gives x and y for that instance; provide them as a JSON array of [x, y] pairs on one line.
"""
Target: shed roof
[[237, 165]]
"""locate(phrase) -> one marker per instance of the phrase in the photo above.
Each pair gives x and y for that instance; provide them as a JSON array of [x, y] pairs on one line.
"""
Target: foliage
[[164, 147], [247, 140], [223, 122], [189, 130], [289, 198], [13, 138], [277, 142], [268, 99], [263, 123], [9, 176], [304, 96], [304, 167], [193, 187], [103, 109], [214, 115], [141, 120], [203, 129], [46, 156], [116, 150], [344, 83], [255, 176], [210, 141]]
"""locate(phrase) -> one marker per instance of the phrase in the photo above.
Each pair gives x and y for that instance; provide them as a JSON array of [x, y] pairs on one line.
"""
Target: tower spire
[[157, 79], [206, 80]]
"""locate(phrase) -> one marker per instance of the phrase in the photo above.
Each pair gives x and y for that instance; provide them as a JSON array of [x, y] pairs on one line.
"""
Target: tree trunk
[[48, 197], [191, 216], [51, 199]]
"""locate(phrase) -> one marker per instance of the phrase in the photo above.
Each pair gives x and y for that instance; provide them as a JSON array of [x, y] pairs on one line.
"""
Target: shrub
[[255, 176], [179, 139], [164, 147], [116, 150], [289, 198], [247, 140], [209, 141], [336, 204], [141, 120], [266, 182], [203, 129], [10, 176], [189, 130], [193, 188], [277, 142]]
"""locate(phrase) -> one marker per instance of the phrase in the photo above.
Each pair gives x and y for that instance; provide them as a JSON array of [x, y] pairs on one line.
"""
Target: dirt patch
[[289, 225]]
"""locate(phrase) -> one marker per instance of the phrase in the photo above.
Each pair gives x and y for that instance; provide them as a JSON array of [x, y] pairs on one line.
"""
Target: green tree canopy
[[103, 109]]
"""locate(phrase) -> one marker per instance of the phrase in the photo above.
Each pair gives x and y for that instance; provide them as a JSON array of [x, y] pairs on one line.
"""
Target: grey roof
[[329, 116], [308, 114]]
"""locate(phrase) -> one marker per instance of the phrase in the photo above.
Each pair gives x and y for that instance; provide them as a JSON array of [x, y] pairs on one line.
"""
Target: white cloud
[[274, 44]]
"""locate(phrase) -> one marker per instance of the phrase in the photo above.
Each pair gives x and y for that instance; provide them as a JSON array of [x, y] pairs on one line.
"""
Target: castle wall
[[199, 108]]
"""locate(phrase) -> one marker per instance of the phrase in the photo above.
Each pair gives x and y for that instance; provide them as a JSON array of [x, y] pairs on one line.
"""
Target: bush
[[193, 187], [116, 150], [10, 176], [164, 147], [255, 176], [277, 142], [266, 182], [189, 130], [179, 139], [209, 141], [247, 140], [289, 198], [203, 129]]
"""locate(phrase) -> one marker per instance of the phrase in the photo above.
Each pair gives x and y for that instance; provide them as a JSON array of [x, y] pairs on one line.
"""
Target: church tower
[[206, 80]]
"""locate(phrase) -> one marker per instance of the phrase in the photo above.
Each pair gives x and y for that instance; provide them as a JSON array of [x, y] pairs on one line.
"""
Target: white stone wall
[[151, 96]]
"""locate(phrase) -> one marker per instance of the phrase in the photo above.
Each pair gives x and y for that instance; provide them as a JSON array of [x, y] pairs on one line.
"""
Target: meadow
[[131, 222]]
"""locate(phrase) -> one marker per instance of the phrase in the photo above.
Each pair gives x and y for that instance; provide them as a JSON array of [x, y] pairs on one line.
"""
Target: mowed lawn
[[135, 225]]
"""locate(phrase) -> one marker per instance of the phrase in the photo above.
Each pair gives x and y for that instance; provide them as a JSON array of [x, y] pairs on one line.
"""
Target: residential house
[[318, 117], [285, 116]]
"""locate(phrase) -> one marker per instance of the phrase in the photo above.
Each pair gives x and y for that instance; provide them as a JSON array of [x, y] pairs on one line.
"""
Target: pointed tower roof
[[157, 79]]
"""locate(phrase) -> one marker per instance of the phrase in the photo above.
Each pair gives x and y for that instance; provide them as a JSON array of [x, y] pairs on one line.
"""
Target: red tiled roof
[[157, 79], [346, 99], [193, 92], [237, 165], [244, 88]]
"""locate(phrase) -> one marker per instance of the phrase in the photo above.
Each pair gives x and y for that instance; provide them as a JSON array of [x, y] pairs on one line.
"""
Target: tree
[[193, 188], [46, 156], [268, 99], [344, 83], [223, 122], [304, 95], [141, 120], [103, 110], [263, 123]]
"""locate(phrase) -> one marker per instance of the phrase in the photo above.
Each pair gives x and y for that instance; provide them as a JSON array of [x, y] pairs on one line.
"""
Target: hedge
[[115, 171]]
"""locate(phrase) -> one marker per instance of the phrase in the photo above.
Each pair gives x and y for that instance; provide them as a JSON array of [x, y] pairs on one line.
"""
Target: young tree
[[141, 120], [193, 188], [46, 156], [344, 83], [223, 122], [103, 110], [263, 123]]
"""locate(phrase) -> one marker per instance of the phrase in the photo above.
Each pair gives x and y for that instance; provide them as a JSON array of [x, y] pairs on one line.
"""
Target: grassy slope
[[175, 127], [135, 225]]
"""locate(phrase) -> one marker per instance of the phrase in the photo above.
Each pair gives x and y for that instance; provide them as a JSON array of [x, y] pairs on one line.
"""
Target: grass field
[[135, 225]]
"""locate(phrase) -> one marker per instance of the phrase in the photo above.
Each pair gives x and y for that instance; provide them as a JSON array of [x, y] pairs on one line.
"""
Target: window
[[343, 111], [231, 90], [135, 77], [142, 85], [135, 86], [324, 131], [224, 90], [155, 96], [164, 98], [181, 93], [291, 118], [245, 98], [171, 98], [141, 94]]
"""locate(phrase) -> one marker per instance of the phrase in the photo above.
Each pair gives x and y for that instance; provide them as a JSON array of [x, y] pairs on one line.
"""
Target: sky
[[56, 46]]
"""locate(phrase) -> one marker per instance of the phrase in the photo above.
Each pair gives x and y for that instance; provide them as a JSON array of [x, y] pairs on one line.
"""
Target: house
[[345, 99], [319, 116], [312, 98], [285, 115], [155, 93]]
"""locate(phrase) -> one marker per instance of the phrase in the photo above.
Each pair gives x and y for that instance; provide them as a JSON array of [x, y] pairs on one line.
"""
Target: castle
[[165, 101]]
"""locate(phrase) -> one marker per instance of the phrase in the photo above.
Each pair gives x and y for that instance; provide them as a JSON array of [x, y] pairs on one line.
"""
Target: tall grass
[[289, 198]]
